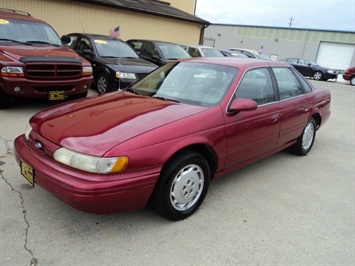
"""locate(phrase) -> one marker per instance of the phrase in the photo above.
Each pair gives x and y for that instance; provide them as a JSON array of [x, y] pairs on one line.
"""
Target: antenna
[[82, 28], [290, 23]]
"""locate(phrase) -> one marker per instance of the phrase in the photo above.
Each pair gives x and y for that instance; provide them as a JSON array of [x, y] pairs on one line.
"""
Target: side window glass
[[84, 44], [248, 54], [136, 46], [194, 52], [302, 62], [287, 82], [256, 85], [72, 42], [148, 49], [306, 86]]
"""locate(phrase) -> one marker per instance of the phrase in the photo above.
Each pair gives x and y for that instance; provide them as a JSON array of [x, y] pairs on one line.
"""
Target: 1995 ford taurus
[[164, 138]]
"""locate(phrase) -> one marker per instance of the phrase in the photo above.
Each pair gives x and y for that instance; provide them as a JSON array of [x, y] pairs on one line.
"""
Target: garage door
[[335, 55]]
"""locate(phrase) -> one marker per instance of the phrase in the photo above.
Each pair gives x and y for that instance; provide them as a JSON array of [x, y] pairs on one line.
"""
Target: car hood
[[19, 51], [134, 64], [97, 124]]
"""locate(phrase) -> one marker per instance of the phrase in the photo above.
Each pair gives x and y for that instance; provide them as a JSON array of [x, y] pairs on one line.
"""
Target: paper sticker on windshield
[[100, 41], [3, 21]]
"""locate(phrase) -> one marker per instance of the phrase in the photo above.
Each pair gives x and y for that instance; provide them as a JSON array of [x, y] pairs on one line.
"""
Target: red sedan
[[349, 75], [165, 137]]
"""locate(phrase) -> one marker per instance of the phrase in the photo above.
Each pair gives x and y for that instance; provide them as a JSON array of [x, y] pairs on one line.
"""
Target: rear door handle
[[275, 118]]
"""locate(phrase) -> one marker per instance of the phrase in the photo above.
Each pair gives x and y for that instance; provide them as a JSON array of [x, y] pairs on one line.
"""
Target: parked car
[[201, 50], [116, 65], [228, 53], [349, 75], [251, 53], [34, 64], [309, 68], [166, 136], [158, 52]]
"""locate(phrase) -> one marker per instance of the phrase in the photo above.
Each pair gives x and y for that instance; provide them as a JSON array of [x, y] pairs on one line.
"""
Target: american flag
[[115, 32]]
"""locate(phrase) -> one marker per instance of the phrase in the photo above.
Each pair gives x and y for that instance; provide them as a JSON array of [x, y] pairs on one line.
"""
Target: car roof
[[198, 46], [242, 49], [236, 61], [148, 40], [18, 15], [95, 35]]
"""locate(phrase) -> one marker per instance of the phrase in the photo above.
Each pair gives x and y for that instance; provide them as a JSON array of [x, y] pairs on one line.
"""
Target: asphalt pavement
[[283, 210]]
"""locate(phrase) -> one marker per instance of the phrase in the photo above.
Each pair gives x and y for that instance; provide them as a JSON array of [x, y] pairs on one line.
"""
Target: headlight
[[331, 71], [12, 71], [28, 131], [87, 71], [123, 75], [90, 163]]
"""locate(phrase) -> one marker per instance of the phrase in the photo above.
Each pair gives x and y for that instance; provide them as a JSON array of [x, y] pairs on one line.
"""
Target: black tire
[[305, 141], [103, 83], [318, 75], [182, 186], [352, 80], [5, 99]]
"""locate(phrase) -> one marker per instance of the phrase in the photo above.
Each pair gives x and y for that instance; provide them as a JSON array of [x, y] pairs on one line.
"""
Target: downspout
[[202, 31], [202, 34], [304, 44]]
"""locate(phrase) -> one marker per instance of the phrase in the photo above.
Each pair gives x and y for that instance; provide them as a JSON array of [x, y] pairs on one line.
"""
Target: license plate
[[27, 172], [56, 95]]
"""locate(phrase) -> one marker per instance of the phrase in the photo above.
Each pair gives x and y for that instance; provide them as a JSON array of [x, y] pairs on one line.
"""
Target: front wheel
[[305, 141], [318, 75], [182, 186], [103, 83], [352, 80]]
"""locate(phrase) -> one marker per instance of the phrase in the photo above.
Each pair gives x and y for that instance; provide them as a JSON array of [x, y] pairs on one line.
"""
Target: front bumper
[[87, 192], [330, 76], [39, 89]]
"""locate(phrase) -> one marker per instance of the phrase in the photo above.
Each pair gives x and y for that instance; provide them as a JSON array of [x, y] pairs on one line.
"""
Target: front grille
[[141, 75], [52, 71]]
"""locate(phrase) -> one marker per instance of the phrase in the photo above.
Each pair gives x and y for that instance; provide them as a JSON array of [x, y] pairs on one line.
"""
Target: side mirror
[[65, 39], [88, 52], [155, 57], [242, 104]]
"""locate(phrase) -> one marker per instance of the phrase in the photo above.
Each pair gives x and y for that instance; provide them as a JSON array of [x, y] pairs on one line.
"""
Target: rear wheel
[[182, 186], [103, 83], [352, 80], [318, 75], [305, 141]]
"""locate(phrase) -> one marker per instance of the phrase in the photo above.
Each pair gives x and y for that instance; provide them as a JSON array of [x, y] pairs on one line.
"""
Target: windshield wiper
[[10, 40], [108, 56], [131, 90], [41, 42], [165, 99]]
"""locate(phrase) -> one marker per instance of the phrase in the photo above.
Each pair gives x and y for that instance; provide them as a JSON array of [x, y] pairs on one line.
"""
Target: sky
[[336, 15]]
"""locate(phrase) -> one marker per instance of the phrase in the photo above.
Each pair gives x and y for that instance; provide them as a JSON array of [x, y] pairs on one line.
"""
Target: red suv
[[35, 64]]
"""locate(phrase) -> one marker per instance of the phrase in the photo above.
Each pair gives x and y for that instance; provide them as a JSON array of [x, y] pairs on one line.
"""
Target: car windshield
[[113, 48], [172, 51], [28, 32], [188, 82], [211, 52]]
